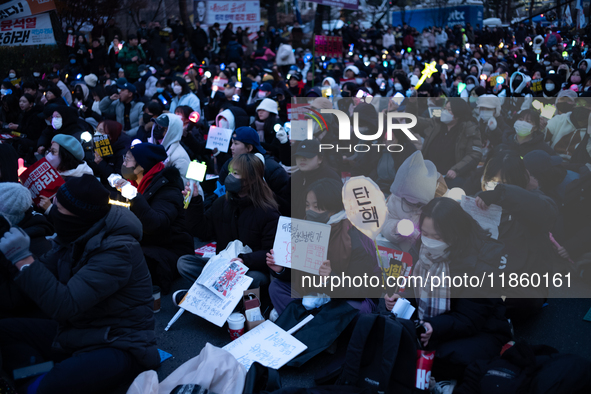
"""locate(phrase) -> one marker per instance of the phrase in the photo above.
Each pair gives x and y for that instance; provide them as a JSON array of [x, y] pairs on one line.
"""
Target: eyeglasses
[[127, 159]]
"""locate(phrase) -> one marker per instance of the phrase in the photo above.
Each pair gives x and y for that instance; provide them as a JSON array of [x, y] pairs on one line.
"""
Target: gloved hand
[[282, 135], [15, 245], [492, 124]]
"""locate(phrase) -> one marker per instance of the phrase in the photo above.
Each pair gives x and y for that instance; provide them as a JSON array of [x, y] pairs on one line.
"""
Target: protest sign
[[365, 205], [536, 85], [219, 84], [102, 145], [219, 138], [488, 220], [301, 244], [395, 263], [42, 180], [207, 251], [246, 13], [346, 4], [223, 277], [329, 46], [299, 130], [23, 8], [267, 344], [32, 30]]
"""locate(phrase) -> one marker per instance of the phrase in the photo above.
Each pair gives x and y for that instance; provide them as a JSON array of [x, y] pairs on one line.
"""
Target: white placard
[[223, 277], [299, 130], [489, 219], [32, 30], [268, 344], [219, 138], [301, 244]]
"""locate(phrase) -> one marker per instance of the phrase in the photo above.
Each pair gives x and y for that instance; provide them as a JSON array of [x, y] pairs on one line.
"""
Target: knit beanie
[[84, 196], [70, 144], [148, 155], [15, 199]]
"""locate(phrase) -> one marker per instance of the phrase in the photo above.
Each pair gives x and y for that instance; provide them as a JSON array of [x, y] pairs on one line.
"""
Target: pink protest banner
[[42, 180], [329, 46]]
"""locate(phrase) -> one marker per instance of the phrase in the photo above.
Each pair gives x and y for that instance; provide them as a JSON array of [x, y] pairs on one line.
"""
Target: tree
[[76, 12], [271, 6]]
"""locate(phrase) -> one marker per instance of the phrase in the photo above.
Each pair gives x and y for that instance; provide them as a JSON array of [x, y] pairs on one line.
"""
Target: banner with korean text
[[241, 13], [23, 8], [31, 30]]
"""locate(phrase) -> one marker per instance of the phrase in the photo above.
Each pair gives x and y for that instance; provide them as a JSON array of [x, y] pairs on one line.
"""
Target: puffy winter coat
[[115, 110]]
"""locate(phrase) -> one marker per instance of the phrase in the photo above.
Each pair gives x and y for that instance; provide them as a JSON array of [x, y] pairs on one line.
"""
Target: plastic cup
[[156, 295], [236, 325]]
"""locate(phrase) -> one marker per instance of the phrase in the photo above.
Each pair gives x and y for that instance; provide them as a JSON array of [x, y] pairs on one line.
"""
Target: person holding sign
[[350, 252], [95, 288], [248, 213], [159, 207], [118, 143]]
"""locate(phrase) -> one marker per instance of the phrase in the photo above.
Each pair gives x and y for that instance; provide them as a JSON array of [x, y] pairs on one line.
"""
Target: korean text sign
[[23, 8], [32, 30], [42, 180], [102, 145], [219, 138]]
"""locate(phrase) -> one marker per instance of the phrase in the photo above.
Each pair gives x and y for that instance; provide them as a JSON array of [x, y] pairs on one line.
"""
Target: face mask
[[550, 87], [146, 118], [490, 185], [4, 92], [143, 73], [345, 93], [523, 128], [68, 228], [586, 88], [128, 173], [515, 65], [564, 107], [398, 86], [486, 115], [72, 61], [469, 87], [158, 132], [177, 89], [370, 90], [457, 71], [379, 81], [446, 116], [433, 245], [233, 184], [575, 79], [317, 217], [187, 80], [160, 90], [12, 75], [359, 81], [262, 94], [224, 124], [53, 160], [79, 96], [36, 75], [56, 123], [546, 62]]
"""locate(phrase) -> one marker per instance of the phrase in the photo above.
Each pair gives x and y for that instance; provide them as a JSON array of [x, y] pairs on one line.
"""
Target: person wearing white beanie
[[90, 80], [351, 72], [264, 123]]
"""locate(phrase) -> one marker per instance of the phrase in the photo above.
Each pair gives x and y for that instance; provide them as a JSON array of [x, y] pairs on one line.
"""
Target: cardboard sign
[[329, 46], [365, 205], [219, 138], [42, 180], [102, 145], [268, 344], [301, 244]]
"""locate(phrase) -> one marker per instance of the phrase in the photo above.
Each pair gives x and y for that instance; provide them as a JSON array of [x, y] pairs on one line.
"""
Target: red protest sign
[[42, 180], [329, 46]]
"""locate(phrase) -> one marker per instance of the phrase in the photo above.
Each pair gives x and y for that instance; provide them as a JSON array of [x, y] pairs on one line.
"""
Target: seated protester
[[15, 208], [264, 123], [53, 95], [123, 107], [8, 164], [30, 126], [183, 96], [414, 186], [159, 207], [64, 120], [247, 213], [460, 329], [491, 122], [193, 140], [148, 80], [151, 111], [528, 216], [526, 135], [162, 94], [310, 168], [246, 140], [229, 118], [168, 131], [550, 174], [101, 316], [566, 131], [107, 164], [83, 102], [452, 142], [350, 252], [66, 155]]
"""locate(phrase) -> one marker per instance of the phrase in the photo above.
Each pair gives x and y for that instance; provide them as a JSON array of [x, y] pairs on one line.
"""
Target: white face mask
[[56, 123], [359, 81], [36, 75], [523, 128], [490, 185], [433, 244], [177, 89], [469, 87], [486, 115], [446, 116], [143, 73], [224, 124], [398, 86], [379, 81], [262, 94], [53, 160], [12, 75], [550, 87]]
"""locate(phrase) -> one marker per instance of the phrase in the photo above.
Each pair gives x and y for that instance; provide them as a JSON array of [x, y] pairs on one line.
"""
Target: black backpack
[[382, 355]]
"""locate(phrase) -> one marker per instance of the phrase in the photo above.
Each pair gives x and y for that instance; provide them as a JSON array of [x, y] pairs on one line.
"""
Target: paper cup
[[156, 295], [236, 325]]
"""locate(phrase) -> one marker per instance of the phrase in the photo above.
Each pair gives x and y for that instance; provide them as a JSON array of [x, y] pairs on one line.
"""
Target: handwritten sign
[[102, 145], [365, 205], [219, 138], [488, 220], [329, 46], [299, 130], [268, 344], [223, 277], [301, 244], [42, 180]]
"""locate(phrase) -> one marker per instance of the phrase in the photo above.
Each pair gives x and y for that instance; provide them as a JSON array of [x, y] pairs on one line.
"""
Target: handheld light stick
[[195, 172], [405, 227], [429, 70]]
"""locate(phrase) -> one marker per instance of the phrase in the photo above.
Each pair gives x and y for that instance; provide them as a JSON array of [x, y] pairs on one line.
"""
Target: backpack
[[382, 355], [552, 40]]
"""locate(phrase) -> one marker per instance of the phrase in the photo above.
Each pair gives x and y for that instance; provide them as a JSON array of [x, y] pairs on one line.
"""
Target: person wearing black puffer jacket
[[64, 120], [95, 287], [159, 207]]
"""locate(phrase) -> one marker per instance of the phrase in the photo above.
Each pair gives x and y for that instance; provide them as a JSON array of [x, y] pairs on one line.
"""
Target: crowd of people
[[503, 114]]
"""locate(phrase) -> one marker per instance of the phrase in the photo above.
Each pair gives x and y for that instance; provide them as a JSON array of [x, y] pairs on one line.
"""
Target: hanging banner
[[33, 30], [23, 8], [244, 13], [329, 46], [346, 4]]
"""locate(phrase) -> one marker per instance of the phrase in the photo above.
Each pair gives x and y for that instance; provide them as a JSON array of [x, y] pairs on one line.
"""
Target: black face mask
[[128, 173], [69, 228], [79, 96], [158, 132], [147, 118], [564, 107], [345, 93], [317, 217], [233, 184]]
